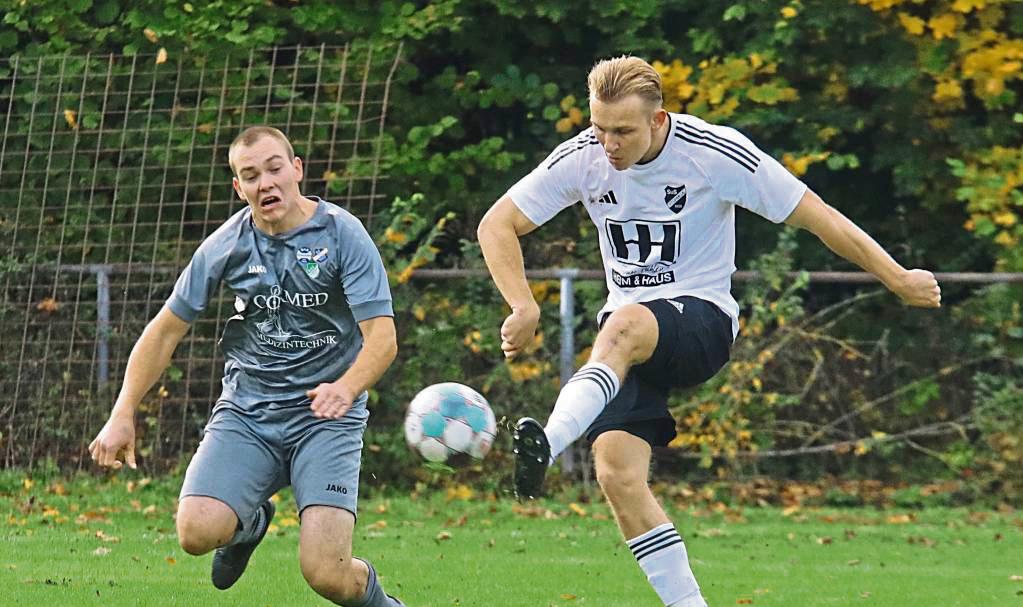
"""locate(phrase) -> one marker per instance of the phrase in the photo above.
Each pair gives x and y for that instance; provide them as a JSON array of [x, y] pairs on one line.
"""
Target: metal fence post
[[102, 324], [566, 311]]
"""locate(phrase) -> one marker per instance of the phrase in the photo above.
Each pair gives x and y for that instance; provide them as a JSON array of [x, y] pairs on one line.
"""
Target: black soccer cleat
[[532, 456], [229, 562]]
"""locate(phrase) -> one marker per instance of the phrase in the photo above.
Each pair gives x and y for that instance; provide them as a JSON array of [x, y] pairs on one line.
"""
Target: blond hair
[[619, 77], [253, 134]]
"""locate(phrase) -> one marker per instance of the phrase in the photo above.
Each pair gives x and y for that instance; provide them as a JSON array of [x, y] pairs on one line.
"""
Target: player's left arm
[[915, 287], [379, 347]]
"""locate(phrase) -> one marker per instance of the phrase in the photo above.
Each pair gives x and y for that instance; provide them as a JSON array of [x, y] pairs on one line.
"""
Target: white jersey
[[667, 226]]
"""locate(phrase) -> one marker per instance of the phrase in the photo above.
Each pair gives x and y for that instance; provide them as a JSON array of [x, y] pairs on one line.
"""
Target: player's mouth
[[269, 202]]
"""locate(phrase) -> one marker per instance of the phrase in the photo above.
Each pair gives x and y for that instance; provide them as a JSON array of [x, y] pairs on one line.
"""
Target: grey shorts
[[245, 457]]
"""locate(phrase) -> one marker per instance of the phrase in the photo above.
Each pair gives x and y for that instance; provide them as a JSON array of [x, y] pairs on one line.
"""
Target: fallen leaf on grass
[[381, 524], [101, 551], [853, 562], [1016, 578], [171, 560], [568, 597], [899, 519], [574, 507], [443, 535], [824, 541]]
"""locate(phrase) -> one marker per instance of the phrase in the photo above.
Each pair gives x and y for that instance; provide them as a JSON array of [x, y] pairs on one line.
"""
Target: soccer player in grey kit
[[313, 329], [662, 190]]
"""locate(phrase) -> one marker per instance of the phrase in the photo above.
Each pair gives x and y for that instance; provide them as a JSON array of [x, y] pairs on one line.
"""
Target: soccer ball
[[447, 422]]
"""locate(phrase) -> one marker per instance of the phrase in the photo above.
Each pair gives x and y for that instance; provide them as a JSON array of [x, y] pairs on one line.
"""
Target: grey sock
[[250, 530], [375, 595]]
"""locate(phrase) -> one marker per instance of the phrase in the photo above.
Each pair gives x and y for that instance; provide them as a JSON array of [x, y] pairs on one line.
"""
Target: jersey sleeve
[[751, 179], [363, 276], [554, 184], [197, 283]]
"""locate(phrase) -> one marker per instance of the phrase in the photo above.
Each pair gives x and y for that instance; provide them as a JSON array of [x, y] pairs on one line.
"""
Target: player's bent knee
[[204, 524], [332, 579], [631, 328]]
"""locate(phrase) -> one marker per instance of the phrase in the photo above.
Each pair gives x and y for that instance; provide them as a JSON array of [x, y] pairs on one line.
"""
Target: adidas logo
[[608, 198], [681, 307]]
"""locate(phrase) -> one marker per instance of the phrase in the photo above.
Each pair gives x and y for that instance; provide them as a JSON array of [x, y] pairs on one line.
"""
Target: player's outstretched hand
[[518, 330], [117, 436], [331, 400], [919, 288]]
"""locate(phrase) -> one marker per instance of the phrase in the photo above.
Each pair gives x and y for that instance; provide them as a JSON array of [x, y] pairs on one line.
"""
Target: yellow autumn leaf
[[461, 492], [161, 56], [1005, 239], [574, 507], [965, 6], [948, 90], [150, 35], [913, 25], [1005, 218], [71, 117], [943, 26], [789, 12], [563, 126], [288, 521], [392, 235]]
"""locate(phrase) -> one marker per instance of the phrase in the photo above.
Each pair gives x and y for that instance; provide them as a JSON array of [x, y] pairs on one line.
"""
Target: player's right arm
[[499, 232], [148, 359]]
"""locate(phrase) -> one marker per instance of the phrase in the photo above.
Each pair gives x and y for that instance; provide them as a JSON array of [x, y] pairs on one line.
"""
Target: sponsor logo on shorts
[[336, 489], [681, 307]]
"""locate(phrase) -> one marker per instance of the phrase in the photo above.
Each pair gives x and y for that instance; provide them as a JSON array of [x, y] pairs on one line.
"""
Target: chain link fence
[[113, 169]]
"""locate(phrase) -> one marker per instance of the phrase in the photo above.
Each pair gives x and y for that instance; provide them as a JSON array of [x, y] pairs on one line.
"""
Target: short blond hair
[[613, 79], [253, 134]]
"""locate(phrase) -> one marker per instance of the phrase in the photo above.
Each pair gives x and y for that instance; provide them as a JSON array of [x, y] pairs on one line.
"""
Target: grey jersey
[[299, 297]]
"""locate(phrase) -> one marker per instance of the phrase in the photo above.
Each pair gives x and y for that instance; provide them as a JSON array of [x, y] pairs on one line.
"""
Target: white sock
[[582, 399], [662, 556]]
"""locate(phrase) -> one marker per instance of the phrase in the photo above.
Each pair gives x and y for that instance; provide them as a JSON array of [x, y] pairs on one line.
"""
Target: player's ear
[[237, 187], [660, 115], [299, 170]]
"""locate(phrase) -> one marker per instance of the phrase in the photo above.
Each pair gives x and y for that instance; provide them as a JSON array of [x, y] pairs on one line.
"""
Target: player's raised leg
[[223, 502], [325, 554], [622, 463], [627, 338]]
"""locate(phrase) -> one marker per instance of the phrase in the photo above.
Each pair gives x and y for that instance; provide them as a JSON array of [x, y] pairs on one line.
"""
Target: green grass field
[[102, 542]]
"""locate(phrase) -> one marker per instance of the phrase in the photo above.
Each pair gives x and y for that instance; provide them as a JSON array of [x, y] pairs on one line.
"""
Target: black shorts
[[693, 343]]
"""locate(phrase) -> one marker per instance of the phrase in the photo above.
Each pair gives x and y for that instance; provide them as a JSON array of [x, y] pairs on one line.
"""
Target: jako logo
[[336, 489], [257, 269]]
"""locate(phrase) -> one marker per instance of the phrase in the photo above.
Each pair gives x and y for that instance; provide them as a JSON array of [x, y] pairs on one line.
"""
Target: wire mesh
[[113, 169]]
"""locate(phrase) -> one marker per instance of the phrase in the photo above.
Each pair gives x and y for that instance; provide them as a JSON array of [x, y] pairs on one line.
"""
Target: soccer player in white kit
[[661, 189]]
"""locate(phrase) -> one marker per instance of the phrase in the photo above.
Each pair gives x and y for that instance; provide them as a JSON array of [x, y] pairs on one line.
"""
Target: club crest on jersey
[[675, 197], [310, 260]]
